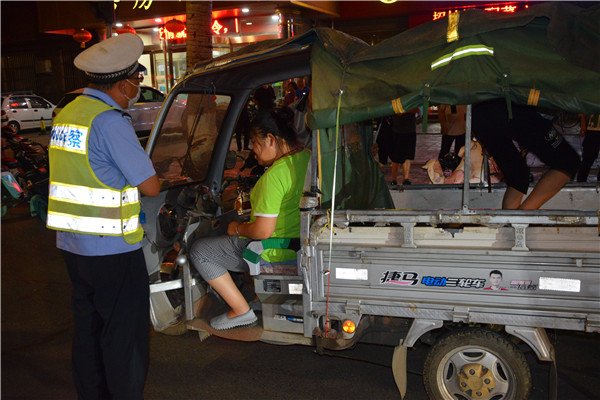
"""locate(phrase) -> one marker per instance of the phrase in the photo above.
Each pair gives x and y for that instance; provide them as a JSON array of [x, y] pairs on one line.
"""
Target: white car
[[26, 111], [143, 113]]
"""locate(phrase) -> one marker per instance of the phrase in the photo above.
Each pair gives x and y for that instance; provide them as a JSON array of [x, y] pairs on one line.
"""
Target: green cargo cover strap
[[426, 98], [506, 91]]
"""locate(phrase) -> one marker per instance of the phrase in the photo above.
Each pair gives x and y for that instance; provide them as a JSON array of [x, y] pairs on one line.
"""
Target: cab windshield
[[183, 149]]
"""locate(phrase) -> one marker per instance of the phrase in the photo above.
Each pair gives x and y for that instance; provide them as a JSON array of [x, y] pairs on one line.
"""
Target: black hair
[[103, 87], [497, 272], [277, 122]]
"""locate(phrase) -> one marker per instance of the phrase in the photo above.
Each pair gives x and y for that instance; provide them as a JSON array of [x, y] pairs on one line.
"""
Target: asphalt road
[[37, 328]]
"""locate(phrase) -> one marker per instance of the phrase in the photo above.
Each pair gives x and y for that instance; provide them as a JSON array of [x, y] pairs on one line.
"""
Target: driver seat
[[252, 254]]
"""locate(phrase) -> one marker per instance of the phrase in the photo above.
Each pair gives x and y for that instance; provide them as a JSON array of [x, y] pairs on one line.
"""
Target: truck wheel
[[475, 363]]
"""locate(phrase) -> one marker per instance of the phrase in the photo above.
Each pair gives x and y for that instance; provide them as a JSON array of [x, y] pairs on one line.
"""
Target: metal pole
[[467, 160], [166, 64]]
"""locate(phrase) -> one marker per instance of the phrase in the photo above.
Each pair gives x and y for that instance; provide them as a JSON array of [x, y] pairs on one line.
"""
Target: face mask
[[135, 98]]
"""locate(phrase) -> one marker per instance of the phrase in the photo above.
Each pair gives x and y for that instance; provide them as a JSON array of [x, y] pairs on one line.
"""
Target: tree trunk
[[199, 35], [200, 115]]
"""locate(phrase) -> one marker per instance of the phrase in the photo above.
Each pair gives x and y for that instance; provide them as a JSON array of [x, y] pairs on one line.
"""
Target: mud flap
[[399, 368], [162, 314]]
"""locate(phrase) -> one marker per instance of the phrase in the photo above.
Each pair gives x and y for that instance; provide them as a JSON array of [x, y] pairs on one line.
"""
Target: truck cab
[[392, 266]]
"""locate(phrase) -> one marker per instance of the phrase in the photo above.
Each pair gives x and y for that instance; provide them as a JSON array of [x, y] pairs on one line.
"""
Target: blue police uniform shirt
[[302, 92], [117, 159]]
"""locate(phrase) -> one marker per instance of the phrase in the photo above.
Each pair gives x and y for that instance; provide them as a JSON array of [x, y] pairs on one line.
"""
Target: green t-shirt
[[277, 194]]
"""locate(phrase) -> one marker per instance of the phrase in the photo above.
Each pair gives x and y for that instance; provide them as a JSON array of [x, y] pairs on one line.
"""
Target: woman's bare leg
[[512, 199], [395, 168], [229, 292], [549, 184], [406, 169]]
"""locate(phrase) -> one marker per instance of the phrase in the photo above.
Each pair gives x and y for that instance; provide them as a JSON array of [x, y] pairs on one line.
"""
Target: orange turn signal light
[[349, 326]]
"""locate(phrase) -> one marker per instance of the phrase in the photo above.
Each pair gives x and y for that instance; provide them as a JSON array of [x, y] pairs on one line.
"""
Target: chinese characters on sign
[[163, 34], [400, 278], [504, 9], [225, 26], [456, 282], [145, 4], [216, 28], [69, 138], [412, 279]]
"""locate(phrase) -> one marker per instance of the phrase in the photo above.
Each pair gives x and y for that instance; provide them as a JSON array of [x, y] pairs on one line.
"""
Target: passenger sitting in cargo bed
[[496, 132]]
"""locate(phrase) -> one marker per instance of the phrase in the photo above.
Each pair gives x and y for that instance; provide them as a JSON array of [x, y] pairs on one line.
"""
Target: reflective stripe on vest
[[78, 201], [75, 223], [91, 196]]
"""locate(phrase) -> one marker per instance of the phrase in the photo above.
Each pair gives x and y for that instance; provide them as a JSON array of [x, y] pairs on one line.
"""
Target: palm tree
[[199, 35]]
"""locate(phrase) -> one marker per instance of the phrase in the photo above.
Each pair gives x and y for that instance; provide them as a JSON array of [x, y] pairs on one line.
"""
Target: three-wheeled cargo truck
[[392, 266]]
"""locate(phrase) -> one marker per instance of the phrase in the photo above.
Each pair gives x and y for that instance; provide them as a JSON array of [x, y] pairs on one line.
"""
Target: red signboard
[[218, 28], [501, 8], [163, 34]]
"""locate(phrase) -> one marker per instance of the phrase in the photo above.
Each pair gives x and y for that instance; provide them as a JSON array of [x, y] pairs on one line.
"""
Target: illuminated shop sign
[[225, 26], [508, 8], [145, 4], [163, 34], [218, 27]]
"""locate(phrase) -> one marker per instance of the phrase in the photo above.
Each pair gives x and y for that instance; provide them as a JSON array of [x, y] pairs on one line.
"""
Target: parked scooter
[[12, 193], [27, 163]]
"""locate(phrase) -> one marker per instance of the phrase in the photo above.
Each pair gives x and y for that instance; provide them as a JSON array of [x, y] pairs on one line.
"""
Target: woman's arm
[[260, 229]]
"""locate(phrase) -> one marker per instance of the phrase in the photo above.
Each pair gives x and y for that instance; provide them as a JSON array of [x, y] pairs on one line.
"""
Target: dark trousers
[[111, 316], [447, 140], [238, 139], [591, 148]]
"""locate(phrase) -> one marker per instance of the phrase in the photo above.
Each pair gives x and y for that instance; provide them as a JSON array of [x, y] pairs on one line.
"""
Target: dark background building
[[38, 47]]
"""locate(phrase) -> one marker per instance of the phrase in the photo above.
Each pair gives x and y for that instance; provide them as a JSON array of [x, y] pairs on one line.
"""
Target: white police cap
[[112, 59]]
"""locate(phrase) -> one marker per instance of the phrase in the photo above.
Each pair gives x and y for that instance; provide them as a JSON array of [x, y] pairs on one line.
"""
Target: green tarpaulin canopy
[[547, 55]]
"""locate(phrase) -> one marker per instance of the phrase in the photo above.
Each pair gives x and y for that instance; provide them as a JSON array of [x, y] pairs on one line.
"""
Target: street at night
[[300, 200], [37, 328]]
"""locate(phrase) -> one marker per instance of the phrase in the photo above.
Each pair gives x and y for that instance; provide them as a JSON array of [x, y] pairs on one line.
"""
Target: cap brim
[[140, 68]]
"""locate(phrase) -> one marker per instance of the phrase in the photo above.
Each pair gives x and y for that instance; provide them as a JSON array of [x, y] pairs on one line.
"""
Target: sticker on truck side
[[412, 278], [560, 284], [522, 285], [468, 283], [354, 274]]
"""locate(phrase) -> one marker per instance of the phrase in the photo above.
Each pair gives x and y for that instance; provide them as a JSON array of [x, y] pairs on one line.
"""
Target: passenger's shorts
[[214, 256], [402, 147], [533, 132]]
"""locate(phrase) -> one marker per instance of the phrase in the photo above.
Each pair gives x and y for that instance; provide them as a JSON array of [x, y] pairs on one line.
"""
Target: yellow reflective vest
[[79, 202]]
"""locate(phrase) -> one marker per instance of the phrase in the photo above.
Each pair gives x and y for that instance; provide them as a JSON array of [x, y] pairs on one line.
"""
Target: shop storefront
[[162, 27], [165, 50], [41, 58]]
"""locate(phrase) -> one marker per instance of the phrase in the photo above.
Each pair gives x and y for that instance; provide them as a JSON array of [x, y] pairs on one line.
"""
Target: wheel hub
[[476, 380]]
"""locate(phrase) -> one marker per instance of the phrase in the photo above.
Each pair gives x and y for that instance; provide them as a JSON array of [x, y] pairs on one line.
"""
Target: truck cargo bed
[[437, 265]]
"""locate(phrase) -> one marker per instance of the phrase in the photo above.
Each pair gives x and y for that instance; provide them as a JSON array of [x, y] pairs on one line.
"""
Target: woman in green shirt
[[275, 214]]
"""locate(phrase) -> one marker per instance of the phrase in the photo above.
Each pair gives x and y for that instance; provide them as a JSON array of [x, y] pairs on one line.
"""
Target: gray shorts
[[214, 256]]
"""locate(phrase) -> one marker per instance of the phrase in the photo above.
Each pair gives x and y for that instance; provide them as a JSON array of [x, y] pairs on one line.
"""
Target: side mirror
[[231, 159]]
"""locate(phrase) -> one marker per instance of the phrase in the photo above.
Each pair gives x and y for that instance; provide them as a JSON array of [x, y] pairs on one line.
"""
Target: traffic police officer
[[97, 166]]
